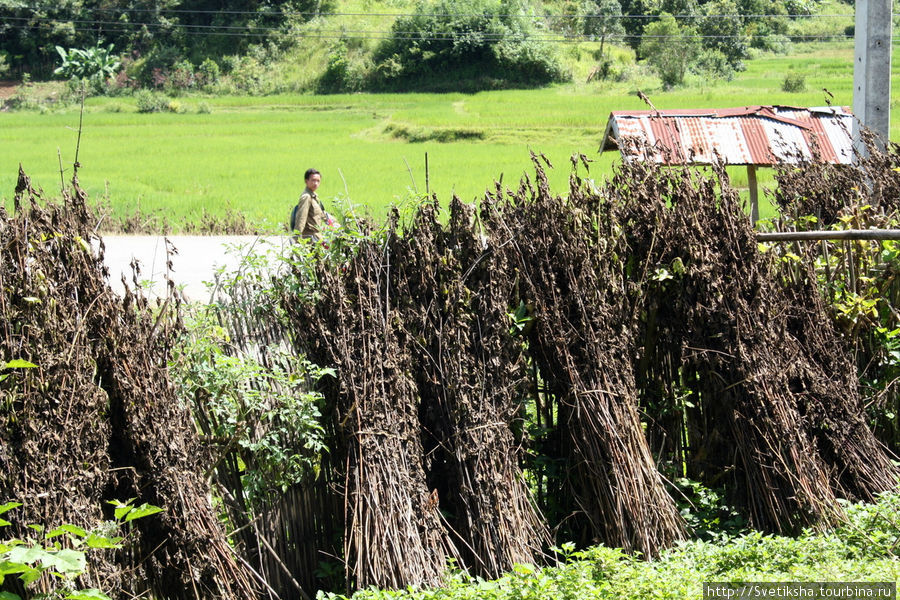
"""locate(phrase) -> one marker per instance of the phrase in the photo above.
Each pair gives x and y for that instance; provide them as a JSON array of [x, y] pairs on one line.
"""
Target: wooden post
[[754, 194], [821, 234]]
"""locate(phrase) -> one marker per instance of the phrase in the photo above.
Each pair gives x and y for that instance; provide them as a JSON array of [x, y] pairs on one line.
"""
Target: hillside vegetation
[[400, 45]]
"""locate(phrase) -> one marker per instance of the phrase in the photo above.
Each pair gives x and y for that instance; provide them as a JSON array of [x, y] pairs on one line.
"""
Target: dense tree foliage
[[166, 30], [432, 45], [670, 49], [480, 39]]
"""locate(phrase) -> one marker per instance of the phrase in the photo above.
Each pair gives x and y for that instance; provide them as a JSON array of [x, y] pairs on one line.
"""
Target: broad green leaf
[[9, 596], [72, 529], [88, 594], [67, 561], [27, 554], [101, 541], [9, 506], [30, 576], [144, 510], [18, 363], [122, 508], [11, 568]]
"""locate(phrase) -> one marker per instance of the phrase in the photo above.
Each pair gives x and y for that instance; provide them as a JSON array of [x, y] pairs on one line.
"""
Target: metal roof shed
[[754, 136]]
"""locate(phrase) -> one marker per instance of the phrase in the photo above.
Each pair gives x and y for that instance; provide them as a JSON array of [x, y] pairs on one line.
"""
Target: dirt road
[[193, 266]]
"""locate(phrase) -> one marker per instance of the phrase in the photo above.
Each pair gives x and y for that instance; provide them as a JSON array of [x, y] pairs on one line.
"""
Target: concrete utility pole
[[872, 70]]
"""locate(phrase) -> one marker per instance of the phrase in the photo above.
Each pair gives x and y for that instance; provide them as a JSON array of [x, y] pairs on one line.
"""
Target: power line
[[241, 30], [535, 17], [444, 36], [247, 29], [99, 26]]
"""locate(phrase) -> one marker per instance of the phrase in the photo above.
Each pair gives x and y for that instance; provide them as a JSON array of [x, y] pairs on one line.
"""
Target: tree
[[766, 22], [633, 11], [724, 32], [167, 29], [603, 18], [670, 49], [477, 42]]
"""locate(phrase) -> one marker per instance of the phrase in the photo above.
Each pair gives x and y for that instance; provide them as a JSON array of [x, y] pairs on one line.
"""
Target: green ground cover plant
[[215, 155], [862, 549]]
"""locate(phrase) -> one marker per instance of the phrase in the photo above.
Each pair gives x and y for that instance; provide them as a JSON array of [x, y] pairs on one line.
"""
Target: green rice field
[[248, 154]]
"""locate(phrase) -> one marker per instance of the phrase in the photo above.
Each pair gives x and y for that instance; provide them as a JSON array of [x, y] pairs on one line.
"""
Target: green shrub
[[181, 77], [151, 102], [487, 41], [269, 413], [152, 70], [714, 64], [248, 75], [346, 70], [793, 82], [208, 73], [874, 528]]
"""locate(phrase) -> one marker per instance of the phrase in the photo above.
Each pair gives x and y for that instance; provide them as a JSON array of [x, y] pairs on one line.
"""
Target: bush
[[344, 73], [793, 82], [489, 42], [181, 76], [714, 64], [208, 73], [248, 75], [862, 550], [153, 69], [151, 102]]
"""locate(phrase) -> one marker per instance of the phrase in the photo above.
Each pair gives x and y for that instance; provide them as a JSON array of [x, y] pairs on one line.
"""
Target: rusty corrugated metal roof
[[749, 135]]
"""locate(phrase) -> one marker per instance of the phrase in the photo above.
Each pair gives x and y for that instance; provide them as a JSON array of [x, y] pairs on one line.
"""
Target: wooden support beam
[[754, 194], [847, 234]]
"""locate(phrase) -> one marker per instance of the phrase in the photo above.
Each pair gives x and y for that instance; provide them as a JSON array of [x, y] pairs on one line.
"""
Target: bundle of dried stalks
[[719, 313], [865, 194], [393, 530], [829, 399], [583, 342], [456, 292], [825, 191], [97, 419], [430, 393]]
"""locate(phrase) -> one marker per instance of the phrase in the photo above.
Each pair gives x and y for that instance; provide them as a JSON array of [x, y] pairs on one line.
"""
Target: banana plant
[[93, 64]]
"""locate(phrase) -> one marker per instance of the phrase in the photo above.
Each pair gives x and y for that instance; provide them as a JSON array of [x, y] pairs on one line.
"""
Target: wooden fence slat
[[848, 234]]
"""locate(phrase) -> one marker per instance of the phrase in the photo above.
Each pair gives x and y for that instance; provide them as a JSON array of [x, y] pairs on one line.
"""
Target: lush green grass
[[249, 153]]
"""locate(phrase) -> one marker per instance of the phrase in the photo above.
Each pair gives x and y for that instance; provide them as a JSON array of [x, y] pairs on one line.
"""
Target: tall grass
[[249, 153]]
